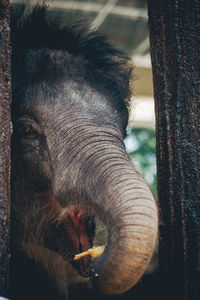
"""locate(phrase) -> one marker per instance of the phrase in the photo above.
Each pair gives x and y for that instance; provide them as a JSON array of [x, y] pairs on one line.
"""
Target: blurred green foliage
[[141, 146]]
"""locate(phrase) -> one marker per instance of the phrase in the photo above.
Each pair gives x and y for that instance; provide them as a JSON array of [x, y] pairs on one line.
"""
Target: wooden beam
[[175, 50], [5, 130], [132, 13], [103, 13]]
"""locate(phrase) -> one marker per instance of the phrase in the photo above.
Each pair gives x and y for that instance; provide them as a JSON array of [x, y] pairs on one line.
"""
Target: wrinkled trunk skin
[[132, 224], [117, 194]]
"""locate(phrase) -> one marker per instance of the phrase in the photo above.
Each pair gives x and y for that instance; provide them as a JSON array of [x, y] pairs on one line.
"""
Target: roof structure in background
[[124, 22]]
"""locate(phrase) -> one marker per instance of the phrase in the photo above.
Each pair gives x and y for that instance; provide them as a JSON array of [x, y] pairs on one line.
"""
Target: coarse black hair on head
[[104, 67]]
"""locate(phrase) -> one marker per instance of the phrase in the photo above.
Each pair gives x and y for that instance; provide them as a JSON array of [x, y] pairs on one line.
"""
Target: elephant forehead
[[62, 99]]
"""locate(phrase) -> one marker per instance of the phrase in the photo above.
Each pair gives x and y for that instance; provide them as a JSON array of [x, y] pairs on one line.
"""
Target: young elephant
[[69, 164]]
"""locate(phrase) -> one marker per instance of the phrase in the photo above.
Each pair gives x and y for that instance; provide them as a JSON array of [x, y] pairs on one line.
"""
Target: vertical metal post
[[174, 27], [5, 95]]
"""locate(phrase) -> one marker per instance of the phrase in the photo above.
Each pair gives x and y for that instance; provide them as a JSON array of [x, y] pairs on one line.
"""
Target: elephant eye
[[27, 132]]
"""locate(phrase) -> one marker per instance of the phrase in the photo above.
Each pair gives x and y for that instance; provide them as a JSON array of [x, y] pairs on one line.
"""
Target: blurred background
[[125, 24]]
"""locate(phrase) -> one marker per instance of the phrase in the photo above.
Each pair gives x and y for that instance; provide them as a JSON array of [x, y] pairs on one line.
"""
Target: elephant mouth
[[80, 233], [71, 231], [90, 238], [84, 232]]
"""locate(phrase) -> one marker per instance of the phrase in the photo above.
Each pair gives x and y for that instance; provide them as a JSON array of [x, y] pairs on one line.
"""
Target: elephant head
[[69, 163]]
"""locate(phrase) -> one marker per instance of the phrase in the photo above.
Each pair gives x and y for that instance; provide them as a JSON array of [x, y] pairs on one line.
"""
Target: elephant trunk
[[132, 230], [123, 201], [118, 195]]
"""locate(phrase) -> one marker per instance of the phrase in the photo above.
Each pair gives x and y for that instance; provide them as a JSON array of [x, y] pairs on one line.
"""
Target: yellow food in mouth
[[94, 252]]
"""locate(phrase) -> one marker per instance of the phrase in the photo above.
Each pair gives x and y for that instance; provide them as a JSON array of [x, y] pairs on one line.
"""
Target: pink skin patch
[[75, 222], [76, 228]]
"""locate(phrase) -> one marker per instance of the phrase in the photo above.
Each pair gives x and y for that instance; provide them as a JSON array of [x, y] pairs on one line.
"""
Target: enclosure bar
[[5, 84], [175, 51]]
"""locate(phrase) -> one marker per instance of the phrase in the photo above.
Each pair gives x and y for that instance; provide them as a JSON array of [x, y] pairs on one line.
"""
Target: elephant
[[71, 173]]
